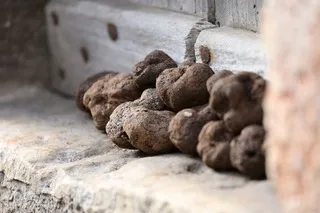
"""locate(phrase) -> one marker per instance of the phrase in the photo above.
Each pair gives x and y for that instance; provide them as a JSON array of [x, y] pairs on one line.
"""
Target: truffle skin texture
[[214, 146], [186, 125], [217, 76], [147, 130], [84, 86], [238, 99], [108, 93], [147, 71], [114, 128], [247, 153], [184, 87]]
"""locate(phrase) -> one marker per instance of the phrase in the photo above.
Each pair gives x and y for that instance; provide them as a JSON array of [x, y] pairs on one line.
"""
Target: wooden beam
[[292, 111]]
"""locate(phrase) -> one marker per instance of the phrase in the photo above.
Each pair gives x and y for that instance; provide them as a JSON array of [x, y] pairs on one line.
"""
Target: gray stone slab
[[232, 49], [53, 160]]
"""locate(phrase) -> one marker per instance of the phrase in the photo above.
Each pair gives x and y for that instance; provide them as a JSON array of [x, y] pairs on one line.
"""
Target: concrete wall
[[23, 52]]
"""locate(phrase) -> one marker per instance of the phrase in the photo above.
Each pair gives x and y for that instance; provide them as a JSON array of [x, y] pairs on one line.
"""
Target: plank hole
[[85, 54], [254, 6], [55, 18], [62, 74], [113, 31]]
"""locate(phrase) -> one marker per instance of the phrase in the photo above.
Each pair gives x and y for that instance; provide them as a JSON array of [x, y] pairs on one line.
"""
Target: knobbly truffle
[[237, 98], [108, 93], [84, 86], [184, 87], [147, 71], [186, 125], [214, 145], [147, 130], [217, 76], [114, 128], [247, 154]]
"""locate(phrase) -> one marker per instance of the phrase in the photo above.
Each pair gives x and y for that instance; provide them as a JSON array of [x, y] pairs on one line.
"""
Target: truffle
[[84, 86], [217, 76], [184, 87], [114, 128], [237, 98], [186, 125], [147, 130], [247, 154], [147, 71], [108, 93], [214, 145]]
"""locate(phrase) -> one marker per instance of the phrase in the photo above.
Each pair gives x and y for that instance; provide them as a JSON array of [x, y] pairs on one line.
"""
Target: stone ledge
[[52, 157]]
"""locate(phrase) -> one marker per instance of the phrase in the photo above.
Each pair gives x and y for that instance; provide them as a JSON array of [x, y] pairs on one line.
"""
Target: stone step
[[52, 159]]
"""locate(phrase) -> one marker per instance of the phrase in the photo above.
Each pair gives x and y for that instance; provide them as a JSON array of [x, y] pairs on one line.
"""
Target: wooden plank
[[81, 44], [194, 7], [239, 13]]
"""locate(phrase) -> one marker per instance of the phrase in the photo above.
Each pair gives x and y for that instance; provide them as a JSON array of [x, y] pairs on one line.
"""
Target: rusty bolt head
[[205, 54], [113, 31]]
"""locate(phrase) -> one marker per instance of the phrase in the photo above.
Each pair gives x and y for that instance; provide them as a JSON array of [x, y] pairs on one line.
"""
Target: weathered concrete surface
[[232, 49], [53, 160]]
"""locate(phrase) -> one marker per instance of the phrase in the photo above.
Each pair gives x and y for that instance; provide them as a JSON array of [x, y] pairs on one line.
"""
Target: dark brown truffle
[[238, 99], [184, 87], [114, 128], [186, 125], [84, 86], [247, 154], [214, 145], [217, 76], [147, 130], [147, 71], [108, 93]]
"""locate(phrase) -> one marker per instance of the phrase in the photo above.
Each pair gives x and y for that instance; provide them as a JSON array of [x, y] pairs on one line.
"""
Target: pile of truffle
[[161, 107]]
